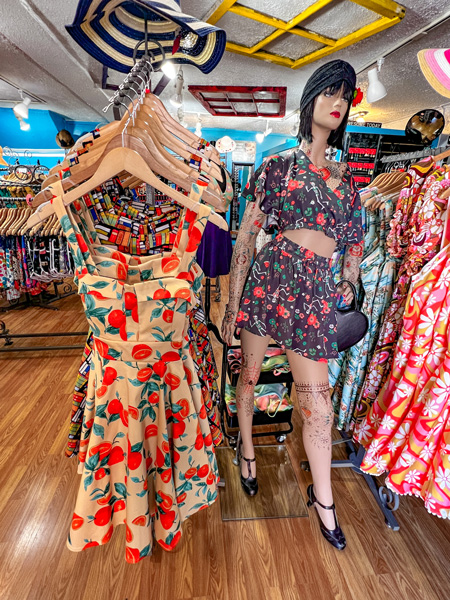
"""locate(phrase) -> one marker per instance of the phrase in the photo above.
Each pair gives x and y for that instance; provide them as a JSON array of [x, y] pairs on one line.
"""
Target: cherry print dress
[[146, 452]]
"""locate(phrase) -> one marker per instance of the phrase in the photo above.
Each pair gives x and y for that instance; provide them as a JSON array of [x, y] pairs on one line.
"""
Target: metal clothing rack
[[8, 337], [418, 155]]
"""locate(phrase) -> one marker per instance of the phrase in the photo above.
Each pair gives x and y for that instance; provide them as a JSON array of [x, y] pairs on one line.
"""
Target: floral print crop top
[[297, 196]]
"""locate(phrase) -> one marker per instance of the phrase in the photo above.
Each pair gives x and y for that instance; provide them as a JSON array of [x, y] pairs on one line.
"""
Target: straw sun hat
[[435, 65], [110, 29]]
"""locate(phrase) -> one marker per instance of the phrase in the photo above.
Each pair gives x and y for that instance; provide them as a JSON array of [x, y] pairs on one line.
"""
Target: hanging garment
[[409, 426], [399, 236], [111, 197], [377, 274], [423, 247], [146, 457], [215, 251]]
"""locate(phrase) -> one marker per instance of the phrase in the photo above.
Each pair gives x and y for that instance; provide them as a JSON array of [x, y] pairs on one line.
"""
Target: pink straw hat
[[435, 65]]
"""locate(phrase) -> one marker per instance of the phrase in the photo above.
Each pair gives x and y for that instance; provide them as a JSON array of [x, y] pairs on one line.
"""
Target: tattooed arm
[[241, 261], [352, 260]]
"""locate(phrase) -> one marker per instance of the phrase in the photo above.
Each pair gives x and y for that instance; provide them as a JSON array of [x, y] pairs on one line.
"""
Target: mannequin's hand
[[346, 292], [228, 326]]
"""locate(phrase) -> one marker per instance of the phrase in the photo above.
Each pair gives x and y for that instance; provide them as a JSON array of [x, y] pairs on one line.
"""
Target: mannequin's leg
[[253, 351], [313, 394]]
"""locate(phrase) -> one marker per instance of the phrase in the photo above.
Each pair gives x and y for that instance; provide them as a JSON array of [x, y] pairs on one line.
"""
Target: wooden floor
[[272, 559]]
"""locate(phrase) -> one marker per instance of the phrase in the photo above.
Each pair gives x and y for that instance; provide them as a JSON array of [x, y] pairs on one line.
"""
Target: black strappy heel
[[250, 483], [335, 536]]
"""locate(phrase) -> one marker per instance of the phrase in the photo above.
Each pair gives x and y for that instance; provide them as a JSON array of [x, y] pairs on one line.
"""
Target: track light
[[376, 89], [359, 117], [169, 69], [177, 98], [295, 127], [21, 109], [198, 128], [260, 137], [268, 130], [180, 117], [24, 126]]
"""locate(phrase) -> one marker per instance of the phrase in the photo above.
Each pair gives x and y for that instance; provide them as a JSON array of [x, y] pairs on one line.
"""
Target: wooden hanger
[[441, 156], [175, 128], [118, 159], [178, 172], [2, 160]]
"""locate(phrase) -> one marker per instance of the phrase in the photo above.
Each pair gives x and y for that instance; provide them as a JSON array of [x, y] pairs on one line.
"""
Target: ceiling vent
[[241, 101]]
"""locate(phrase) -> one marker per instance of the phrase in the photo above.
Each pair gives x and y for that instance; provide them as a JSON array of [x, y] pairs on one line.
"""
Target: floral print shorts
[[290, 295]]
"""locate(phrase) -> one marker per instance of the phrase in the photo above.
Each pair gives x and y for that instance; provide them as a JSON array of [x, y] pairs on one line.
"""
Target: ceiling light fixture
[[24, 126], [177, 98], [198, 128], [260, 137], [169, 69], [268, 129], [359, 117], [296, 126], [376, 90], [21, 109]]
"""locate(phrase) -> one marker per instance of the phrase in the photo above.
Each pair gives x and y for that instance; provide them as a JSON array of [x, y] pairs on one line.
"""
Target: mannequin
[[290, 295]]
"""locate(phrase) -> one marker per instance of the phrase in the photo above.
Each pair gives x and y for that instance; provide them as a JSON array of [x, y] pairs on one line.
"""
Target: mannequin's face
[[330, 109]]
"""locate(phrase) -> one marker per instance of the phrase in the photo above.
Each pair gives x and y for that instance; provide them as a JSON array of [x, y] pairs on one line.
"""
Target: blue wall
[[44, 125]]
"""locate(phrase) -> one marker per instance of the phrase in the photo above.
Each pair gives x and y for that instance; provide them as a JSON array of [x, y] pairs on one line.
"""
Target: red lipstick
[[336, 114]]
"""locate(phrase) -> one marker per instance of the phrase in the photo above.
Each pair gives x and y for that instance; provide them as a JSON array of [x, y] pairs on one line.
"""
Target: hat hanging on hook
[[109, 30]]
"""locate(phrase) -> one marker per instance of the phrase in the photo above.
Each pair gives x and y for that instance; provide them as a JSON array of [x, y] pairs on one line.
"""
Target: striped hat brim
[[110, 29], [435, 65]]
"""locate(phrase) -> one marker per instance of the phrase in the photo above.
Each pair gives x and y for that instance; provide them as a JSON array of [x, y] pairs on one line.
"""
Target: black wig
[[329, 77]]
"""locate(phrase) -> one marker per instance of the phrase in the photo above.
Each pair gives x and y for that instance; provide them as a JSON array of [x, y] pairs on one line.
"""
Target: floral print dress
[[407, 432], [290, 294], [146, 455]]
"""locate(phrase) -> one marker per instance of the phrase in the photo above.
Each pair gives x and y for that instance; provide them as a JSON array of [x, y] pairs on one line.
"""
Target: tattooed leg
[[253, 352], [313, 396]]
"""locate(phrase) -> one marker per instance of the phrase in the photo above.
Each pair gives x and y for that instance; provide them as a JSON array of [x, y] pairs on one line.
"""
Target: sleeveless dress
[[147, 458]]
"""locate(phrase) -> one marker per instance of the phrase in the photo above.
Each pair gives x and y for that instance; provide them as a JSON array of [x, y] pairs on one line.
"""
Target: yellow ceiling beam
[[270, 38], [255, 15], [353, 38], [348, 40], [310, 35], [385, 8], [220, 11], [391, 14]]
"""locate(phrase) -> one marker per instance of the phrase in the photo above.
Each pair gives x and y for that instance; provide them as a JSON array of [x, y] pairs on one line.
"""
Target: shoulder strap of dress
[[80, 249], [192, 226]]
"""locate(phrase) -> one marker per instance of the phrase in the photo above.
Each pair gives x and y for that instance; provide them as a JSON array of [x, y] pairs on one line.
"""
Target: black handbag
[[352, 324]]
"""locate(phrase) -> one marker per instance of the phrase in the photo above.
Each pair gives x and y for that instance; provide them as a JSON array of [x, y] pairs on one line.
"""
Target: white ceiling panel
[[281, 9], [244, 31], [293, 46], [339, 19]]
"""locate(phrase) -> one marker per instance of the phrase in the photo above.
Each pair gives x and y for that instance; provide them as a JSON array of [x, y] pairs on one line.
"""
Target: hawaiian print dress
[[146, 455]]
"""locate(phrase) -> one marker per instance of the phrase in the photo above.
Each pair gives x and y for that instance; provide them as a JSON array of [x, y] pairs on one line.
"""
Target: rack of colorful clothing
[[146, 443], [401, 248], [30, 259]]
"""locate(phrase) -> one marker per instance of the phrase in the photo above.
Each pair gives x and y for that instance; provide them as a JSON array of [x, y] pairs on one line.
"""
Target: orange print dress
[[146, 454]]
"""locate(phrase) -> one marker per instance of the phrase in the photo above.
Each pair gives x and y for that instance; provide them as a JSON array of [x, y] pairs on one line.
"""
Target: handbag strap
[[352, 285]]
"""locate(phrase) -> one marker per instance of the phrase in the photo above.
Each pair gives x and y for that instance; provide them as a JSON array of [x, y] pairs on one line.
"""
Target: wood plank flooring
[[271, 559]]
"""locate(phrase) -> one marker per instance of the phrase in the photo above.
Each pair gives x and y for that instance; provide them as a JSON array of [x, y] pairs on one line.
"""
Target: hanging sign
[[244, 153]]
